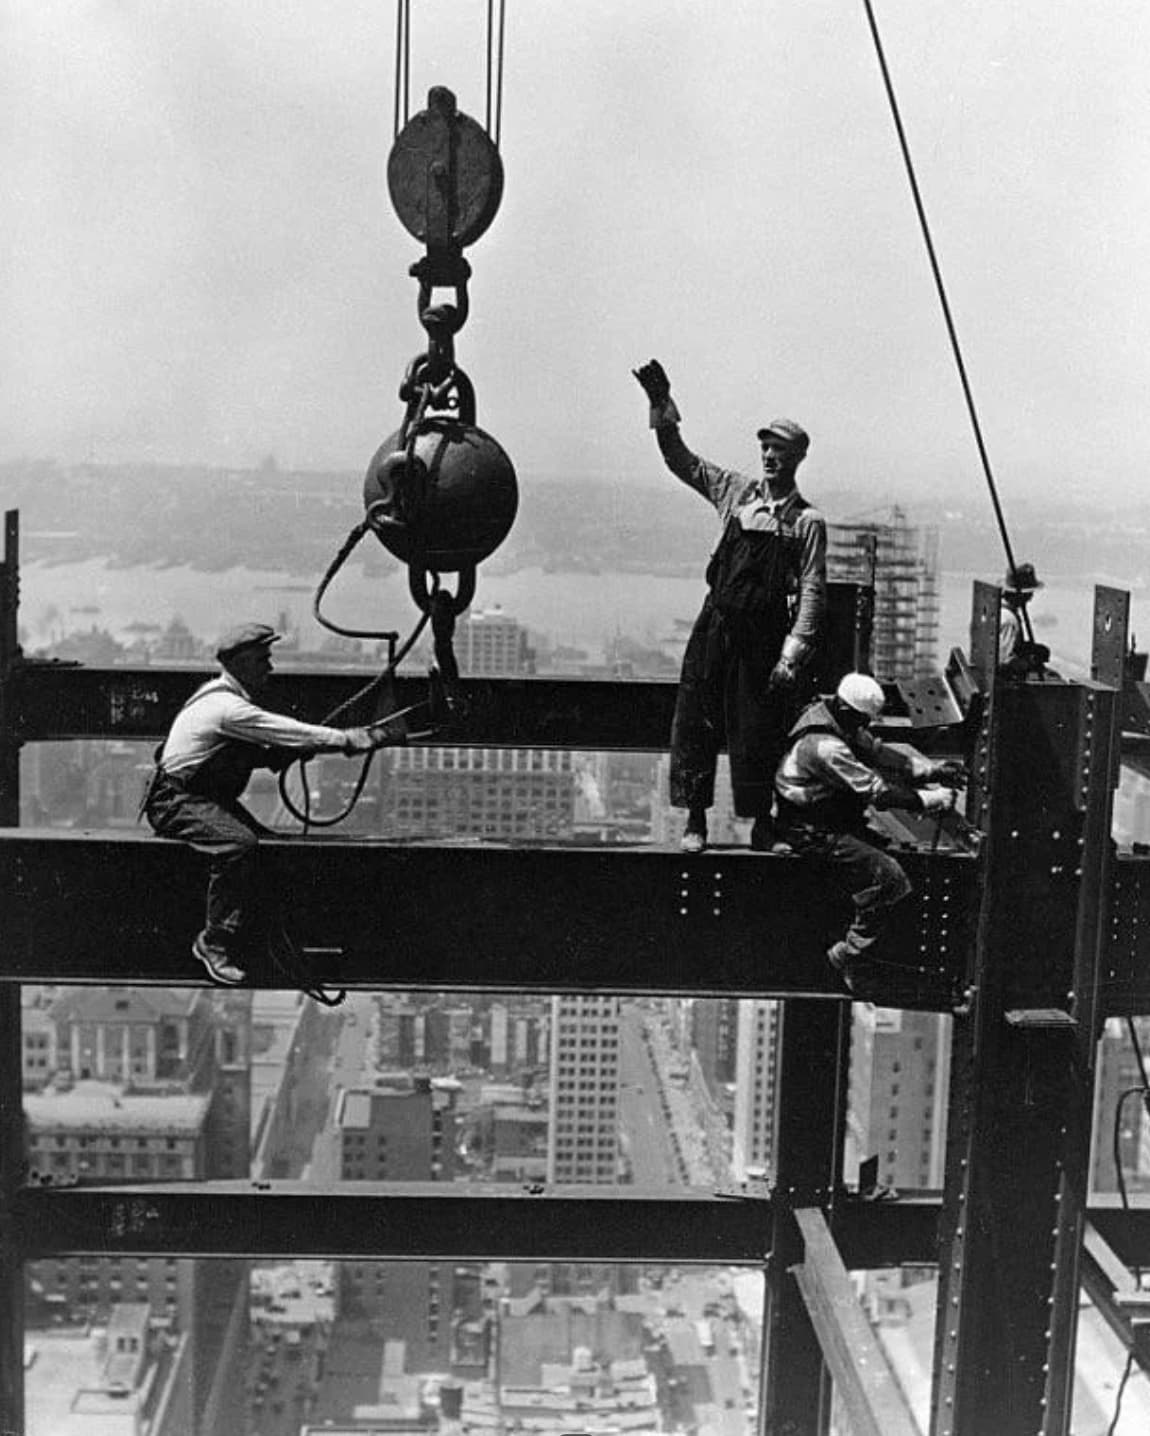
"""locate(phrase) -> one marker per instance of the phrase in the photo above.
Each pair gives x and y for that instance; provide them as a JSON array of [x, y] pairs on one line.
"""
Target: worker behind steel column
[[744, 670], [833, 771], [215, 743], [1017, 655]]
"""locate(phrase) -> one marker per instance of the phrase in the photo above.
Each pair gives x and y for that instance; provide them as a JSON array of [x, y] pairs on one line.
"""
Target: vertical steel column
[[11, 1100], [812, 1069], [9, 657], [1023, 1062], [11, 1178], [1098, 775]]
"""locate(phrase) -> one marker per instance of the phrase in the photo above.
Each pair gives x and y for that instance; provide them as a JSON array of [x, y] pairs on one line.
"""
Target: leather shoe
[[693, 841], [220, 967]]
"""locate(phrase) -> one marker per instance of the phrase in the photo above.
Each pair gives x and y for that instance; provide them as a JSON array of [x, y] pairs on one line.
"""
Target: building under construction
[[898, 562]]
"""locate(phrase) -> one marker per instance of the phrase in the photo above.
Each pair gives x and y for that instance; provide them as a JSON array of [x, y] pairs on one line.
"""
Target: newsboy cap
[[791, 434], [243, 636]]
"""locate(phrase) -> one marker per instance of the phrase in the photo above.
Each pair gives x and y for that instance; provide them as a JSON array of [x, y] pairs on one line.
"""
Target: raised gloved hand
[[657, 387], [938, 800], [783, 677], [949, 771]]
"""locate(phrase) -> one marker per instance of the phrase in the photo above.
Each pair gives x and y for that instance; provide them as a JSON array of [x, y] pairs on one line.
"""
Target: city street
[[646, 1131], [349, 1062]]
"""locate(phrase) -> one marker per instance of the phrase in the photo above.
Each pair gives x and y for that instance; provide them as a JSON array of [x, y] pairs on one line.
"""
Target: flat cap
[[786, 429], [246, 635]]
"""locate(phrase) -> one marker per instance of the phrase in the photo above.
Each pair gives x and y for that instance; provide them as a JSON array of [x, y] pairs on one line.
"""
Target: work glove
[[951, 772], [938, 800], [657, 387], [783, 677], [359, 740]]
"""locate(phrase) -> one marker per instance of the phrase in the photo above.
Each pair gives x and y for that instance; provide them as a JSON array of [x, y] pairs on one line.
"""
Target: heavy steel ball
[[450, 508]]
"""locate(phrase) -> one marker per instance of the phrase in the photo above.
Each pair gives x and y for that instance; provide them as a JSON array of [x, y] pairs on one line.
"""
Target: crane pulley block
[[444, 175]]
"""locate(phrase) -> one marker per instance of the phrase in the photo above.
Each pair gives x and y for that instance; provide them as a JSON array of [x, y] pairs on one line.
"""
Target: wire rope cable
[[948, 317], [497, 133]]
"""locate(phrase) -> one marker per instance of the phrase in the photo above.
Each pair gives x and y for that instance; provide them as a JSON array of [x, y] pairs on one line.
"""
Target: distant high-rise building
[[901, 561], [402, 1129], [479, 792], [756, 1083], [584, 1137], [98, 1130], [896, 1106], [491, 644], [714, 1036]]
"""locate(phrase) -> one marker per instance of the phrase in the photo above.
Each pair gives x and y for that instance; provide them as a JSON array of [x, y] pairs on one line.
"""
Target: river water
[[581, 609]]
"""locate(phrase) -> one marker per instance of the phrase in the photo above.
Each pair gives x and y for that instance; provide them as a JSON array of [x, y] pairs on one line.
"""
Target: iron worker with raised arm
[[751, 647], [217, 740], [833, 771]]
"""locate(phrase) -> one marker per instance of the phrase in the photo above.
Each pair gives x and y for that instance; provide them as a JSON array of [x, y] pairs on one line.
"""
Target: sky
[[200, 264]]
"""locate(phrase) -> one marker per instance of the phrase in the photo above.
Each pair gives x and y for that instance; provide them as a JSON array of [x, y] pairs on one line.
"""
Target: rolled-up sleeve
[[811, 608], [722, 487]]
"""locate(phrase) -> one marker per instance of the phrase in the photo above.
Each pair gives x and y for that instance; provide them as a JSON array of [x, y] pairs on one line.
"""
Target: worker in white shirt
[[215, 743]]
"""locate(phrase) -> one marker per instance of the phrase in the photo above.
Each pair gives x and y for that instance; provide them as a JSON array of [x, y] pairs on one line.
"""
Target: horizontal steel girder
[[414, 1220], [123, 906], [51, 701]]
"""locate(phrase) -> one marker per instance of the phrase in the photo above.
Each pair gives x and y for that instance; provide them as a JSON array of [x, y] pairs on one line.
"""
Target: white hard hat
[[860, 692]]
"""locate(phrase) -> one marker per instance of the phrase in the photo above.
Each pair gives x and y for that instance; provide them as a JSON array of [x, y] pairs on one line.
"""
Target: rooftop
[[104, 1107]]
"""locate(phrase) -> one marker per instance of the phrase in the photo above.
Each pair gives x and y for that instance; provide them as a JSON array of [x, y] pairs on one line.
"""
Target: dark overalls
[[723, 689], [203, 809], [834, 830]]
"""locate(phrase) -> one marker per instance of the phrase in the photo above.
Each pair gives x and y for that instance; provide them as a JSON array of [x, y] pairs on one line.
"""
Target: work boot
[[220, 967], [841, 959]]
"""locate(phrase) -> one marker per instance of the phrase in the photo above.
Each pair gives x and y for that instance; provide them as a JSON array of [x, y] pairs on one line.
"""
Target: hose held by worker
[[217, 740]]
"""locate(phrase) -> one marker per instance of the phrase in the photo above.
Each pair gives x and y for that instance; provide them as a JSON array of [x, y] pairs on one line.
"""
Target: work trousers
[[228, 834], [723, 696], [873, 880]]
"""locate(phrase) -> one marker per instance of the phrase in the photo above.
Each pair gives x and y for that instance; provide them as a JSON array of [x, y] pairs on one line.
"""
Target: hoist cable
[[941, 288], [402, 64], [398, 65], [490, 40], [498, 135]]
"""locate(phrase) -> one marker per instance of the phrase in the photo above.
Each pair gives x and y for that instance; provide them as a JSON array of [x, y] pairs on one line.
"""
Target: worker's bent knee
[[893, 883]]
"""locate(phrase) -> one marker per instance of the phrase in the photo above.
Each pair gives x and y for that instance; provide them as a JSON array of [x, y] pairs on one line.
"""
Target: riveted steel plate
[[1111, 621]]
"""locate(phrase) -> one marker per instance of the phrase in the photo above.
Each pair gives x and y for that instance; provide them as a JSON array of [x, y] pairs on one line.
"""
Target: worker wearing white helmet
[[833, 771]]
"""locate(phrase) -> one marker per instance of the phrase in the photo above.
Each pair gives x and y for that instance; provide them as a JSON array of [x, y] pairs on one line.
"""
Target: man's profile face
[[253, 667], [780, 460]]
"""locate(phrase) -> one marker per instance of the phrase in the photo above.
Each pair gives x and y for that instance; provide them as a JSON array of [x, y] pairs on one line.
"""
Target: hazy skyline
[[201, 263]]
